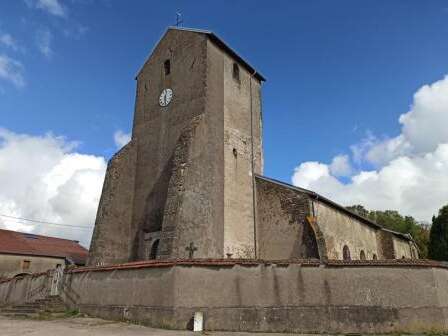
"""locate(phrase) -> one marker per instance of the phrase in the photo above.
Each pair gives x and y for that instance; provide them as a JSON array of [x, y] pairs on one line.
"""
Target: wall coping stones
[[413, 263], [410, 263]]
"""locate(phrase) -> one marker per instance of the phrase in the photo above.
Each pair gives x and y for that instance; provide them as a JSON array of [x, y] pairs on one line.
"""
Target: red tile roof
[[13, 242]]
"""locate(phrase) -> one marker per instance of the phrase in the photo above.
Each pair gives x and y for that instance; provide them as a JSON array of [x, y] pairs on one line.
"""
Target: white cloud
[[121, 138], [50, 6], [43, 40], [42, 177], [8, 41], [423, 128], [412, 168], [340, 166], [12, 71], [425, 125]]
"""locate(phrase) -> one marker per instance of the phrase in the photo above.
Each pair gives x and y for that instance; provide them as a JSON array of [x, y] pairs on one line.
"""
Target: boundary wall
[[304, 296]]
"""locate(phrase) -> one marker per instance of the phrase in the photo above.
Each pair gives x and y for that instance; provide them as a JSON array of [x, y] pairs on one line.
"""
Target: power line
[[44, 222]]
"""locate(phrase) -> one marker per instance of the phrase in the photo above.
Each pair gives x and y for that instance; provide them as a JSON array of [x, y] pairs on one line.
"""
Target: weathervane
[[179, 19]]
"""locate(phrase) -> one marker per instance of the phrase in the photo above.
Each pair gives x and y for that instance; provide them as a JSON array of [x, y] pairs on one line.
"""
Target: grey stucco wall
[[25, 289], [277, 297], [12, 265]]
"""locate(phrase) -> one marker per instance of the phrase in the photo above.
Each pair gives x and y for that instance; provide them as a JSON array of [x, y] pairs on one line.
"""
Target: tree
[[359, 209], [438, 237]]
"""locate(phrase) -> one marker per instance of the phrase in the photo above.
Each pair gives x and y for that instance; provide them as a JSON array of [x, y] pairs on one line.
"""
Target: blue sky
[[339, 73], [335, 69]]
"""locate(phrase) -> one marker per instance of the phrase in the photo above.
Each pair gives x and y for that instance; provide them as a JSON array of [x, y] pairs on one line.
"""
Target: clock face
[[165, 97]]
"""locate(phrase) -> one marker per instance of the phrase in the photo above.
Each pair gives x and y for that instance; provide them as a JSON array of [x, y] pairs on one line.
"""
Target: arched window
[[154, 249], [362, 255], [346, 253], [374, 257], [236, 72], [167, 67]]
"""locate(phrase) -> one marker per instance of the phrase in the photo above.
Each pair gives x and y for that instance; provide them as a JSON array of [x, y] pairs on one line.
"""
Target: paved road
[[83, 326]]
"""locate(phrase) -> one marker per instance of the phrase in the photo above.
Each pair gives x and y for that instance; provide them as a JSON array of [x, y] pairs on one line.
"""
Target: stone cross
[[191, 249]]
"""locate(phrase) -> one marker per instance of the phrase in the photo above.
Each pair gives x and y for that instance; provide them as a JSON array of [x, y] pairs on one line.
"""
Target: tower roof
[[220, 42]]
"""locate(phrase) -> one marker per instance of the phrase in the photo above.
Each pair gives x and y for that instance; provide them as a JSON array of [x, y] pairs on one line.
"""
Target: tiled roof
[[12, 242]]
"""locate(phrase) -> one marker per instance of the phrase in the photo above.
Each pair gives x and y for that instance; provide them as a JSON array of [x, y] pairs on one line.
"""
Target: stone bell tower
[[183, 187]]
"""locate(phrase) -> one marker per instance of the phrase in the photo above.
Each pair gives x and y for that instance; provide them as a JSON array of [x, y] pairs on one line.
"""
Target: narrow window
[[235, 153], [26, 264], [362, 255], [346, 253], [236, 72], [154, 249], [167, 67], [374, 257]]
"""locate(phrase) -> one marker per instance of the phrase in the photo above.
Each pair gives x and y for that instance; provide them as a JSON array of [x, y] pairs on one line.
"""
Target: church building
[[190, 182]]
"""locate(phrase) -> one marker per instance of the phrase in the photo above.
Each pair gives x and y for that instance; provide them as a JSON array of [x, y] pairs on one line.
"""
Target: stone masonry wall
[[385, 245], [283, 231], [340, 229], [190, 212], [111, 237], [402, 248], [159, 129], [242, 125]]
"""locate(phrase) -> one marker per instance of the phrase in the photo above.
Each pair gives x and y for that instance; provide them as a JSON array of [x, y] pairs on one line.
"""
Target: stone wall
[[242, 125], [111, 239], [247, 295], [340, 229], [170, 151], [402, 248], [12, 265], [25, 289], [386, 248], [283, 231], [191, 180]]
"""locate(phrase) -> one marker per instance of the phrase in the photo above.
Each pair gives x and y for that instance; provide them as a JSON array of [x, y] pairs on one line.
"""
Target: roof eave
[[215, 39], [335, 205]]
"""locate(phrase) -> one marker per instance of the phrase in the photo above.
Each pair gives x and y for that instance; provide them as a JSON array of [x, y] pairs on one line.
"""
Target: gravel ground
[[86, 326]]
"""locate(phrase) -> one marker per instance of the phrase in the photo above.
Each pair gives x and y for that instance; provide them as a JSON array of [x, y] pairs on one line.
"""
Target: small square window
[[26, 264]]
